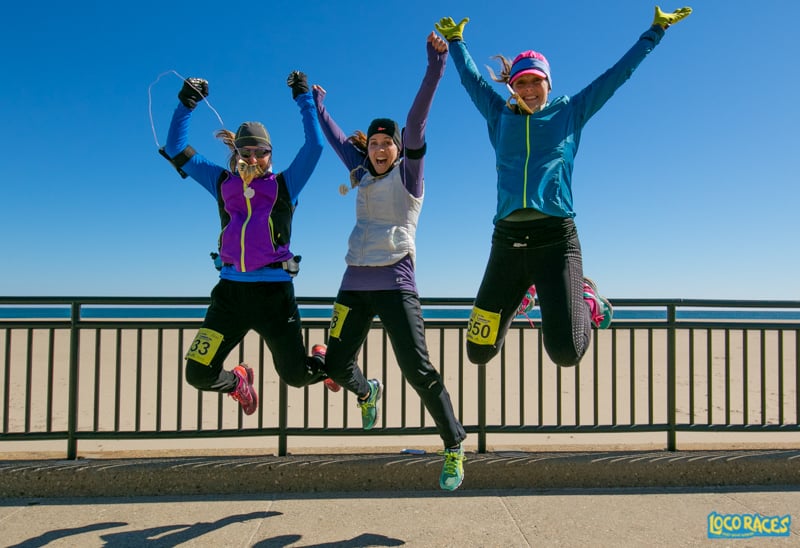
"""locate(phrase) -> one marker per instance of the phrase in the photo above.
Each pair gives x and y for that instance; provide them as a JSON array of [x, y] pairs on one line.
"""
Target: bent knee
[[429, 383], [480, 354], [296, 381], [567, 362], [564, 356], [199, 376], [299, 377]]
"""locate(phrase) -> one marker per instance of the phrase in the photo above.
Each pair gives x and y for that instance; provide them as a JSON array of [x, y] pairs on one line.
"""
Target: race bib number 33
[[483, 326], [204, 346]]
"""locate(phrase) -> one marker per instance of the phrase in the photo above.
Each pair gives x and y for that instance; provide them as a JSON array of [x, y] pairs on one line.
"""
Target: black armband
[[180, 160], [416, 153]]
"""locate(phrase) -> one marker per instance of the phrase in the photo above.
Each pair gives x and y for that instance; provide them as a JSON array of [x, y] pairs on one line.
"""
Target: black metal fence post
[[672, 411], [72, 409], [482, 408], [283, 418]]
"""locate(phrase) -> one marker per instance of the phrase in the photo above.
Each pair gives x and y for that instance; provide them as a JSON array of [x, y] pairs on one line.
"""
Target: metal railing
[[112, 368]]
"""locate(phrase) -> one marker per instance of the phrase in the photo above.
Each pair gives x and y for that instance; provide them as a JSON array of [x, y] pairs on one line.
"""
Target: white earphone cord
[[150, 103]]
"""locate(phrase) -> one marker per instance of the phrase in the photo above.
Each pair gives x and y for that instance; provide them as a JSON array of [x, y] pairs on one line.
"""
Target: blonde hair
[[359, 140], [228, 137], [505, 69], [505, 76]]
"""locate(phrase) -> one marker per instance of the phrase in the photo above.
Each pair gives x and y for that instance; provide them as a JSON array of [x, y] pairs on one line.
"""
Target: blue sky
[[686, 182]]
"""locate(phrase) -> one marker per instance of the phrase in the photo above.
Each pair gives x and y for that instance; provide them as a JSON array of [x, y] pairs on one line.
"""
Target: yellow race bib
[[483, 326], [338, 317], [204, 346]]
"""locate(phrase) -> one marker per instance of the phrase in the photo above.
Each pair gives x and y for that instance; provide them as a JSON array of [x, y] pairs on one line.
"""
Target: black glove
[[193, 91], [298, 82]]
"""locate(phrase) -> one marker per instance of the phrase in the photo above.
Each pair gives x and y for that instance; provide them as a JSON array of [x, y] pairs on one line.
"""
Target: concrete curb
[[393, 472]]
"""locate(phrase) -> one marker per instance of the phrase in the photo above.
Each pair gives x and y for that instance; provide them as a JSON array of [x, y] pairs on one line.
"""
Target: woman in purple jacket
[[386, 169], [255, 290]]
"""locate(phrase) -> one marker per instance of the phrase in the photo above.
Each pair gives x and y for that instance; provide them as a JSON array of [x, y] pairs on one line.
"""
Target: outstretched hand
[[193, 91], [664, 20], [319, 94], [298, 82], [437, 42], [450, 29]]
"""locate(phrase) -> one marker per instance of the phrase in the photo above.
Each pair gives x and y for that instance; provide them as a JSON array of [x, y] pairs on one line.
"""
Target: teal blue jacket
[[535, 153]]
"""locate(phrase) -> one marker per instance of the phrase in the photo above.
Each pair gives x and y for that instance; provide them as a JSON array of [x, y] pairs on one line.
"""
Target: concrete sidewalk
[[507, 499], [508, 518]]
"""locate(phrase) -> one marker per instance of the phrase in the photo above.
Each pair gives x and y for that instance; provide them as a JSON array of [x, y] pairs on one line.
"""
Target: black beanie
[[252, 134], [385, 126]]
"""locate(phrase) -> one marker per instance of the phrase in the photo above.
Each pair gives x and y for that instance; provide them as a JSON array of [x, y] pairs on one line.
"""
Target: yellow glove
[[449, 29], [666, 19]]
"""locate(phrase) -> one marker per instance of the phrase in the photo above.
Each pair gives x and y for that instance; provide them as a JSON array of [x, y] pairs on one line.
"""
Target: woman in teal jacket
[[535, 246]]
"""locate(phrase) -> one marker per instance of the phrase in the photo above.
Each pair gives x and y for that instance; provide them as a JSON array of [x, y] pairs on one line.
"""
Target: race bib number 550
[[483, 326]]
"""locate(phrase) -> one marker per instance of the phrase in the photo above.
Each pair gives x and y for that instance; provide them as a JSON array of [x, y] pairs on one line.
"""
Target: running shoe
[[528, 303], [369, 406], [318, 351], [244, 393], [602, 311], [453, 469]]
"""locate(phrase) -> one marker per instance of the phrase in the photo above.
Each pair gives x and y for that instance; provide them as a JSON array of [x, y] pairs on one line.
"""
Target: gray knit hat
[[252, 134]]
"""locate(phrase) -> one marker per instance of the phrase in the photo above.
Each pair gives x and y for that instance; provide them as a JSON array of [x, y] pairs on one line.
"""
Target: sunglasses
[[257, 152]]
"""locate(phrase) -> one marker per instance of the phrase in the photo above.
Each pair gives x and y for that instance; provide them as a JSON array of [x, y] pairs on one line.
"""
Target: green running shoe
[[453, 469], [369, 407]]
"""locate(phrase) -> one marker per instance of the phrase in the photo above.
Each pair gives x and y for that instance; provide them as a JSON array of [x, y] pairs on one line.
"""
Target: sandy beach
[[131, 381]]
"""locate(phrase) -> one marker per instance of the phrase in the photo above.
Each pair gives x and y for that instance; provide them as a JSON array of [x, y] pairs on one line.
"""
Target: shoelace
[[242, 392], [527, 304], [597, 312], [366, 405], [237, 395], [451, 461], [530, 321]]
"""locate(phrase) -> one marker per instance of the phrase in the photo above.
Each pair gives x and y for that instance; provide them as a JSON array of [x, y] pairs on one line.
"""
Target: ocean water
[[96, 312]]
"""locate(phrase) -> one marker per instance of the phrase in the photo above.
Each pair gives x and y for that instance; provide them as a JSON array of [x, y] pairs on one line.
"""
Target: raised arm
[[589, 100], [177, 150], [414, 137], [414, 132], [347, 152], [299, 171], [489, 103]]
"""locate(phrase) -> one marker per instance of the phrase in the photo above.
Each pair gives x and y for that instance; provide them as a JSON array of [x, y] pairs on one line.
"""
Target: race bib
[[338, 317], [204, 346], [483, 326]]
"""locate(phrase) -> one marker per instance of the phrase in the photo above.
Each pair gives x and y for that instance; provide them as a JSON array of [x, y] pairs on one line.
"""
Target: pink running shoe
[[527, 304], [318, 351], [245, 394], [602, 311]]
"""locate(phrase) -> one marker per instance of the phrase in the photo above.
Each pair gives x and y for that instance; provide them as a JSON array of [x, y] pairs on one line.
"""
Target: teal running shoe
[[602, 311], [453, 469], [369, 407]]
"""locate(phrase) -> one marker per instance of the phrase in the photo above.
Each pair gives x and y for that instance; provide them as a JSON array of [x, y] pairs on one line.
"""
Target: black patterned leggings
[[545, 253]]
